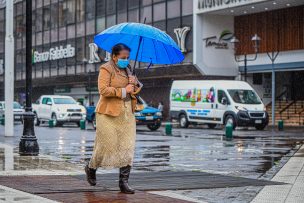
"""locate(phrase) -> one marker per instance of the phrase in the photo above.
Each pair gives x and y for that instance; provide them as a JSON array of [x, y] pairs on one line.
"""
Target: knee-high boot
[[124, 173]]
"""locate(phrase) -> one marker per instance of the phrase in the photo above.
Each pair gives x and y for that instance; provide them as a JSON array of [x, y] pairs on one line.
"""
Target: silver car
[[17, 108]]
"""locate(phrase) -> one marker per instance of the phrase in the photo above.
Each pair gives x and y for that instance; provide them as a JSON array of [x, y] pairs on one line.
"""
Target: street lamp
[[28, 145], [256, 45]]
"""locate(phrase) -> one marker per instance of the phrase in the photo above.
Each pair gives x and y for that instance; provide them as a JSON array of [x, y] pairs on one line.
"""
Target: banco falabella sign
[[55, 53]]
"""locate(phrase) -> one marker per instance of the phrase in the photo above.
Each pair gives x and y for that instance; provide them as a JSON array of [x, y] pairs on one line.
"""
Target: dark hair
[[119, 47]]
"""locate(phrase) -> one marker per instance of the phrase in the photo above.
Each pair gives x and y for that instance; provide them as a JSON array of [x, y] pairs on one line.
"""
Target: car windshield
[[244, 96], [17, 105], [64, 101]]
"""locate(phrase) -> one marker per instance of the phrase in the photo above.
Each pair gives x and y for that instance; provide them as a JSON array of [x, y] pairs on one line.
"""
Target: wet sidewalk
[[291, 173]]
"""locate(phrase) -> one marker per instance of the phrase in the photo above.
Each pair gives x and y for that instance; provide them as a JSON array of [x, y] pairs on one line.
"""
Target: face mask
[[122, 63]]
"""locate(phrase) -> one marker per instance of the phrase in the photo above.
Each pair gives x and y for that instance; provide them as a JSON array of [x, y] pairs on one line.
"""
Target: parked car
[[61, 109], [17, 109], [149, 116], [217, 102]]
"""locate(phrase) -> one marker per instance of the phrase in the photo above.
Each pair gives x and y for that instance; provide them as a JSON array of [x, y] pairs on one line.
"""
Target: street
[[251, 154]]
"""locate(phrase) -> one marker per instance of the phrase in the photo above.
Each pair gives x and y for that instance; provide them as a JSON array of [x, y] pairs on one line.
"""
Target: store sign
[[212, 5], [221, 42], [54, 54]]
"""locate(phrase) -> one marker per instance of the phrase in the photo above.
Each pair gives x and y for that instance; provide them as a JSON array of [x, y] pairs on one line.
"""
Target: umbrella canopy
[[148, 44]]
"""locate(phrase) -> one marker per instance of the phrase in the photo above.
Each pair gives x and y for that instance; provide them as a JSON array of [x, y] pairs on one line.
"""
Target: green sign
[[62, 90], [92, 89]]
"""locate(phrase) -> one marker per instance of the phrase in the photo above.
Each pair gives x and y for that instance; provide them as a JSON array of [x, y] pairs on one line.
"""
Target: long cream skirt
[[115, 139]]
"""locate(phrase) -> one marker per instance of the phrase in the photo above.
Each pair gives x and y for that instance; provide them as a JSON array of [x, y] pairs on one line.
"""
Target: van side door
[[221, 105]]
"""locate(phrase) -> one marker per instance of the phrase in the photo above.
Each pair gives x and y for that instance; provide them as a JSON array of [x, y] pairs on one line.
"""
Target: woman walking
[[115, 122]]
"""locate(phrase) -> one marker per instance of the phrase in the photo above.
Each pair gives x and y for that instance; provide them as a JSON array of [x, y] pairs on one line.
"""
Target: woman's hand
[[132, 80], [129, 88]]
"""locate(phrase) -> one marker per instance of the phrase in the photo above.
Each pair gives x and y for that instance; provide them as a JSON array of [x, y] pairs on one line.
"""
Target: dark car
[[149, 116]]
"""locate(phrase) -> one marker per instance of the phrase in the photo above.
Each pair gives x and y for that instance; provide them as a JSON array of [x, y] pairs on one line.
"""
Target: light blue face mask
[[122, 63]]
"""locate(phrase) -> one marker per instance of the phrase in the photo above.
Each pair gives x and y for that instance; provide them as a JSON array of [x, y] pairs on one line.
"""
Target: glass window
[[44, 100], [80, 49], [90, 27], [111, 20], [61, 14], [111, 7], [187, 7], [146, 12], [54, 14], [220, 95], [69, 7], [173, 9], [46, 18], [1, 14], [18, 9], [146, 2], [133, 4], [90, 9], [159, 12], [101, 7], [20, 26], [64, 101], [133, 15], [244, 96], [71, 31], [80, 10], [121, 5], [100, 24], [122, 17], [39, 20]]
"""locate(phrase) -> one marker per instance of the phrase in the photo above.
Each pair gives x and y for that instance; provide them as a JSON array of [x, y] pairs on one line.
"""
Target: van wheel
[[36, 120], [230, 119], [54, 118], [183, 121], [260, 127], [211, 125]]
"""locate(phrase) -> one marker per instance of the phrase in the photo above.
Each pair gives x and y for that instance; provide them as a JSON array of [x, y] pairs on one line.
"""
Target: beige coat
[[111, 84]]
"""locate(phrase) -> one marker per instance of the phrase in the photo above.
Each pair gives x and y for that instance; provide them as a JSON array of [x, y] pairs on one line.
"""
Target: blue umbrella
[[148, 44]]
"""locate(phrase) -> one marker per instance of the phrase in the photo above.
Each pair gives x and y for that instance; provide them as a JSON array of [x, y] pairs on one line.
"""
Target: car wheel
[[94, 122], [230, 119], [211, 125], [54, 118], [154, 126], [183, 121], [260, 127], [36, 120], [78, 123]]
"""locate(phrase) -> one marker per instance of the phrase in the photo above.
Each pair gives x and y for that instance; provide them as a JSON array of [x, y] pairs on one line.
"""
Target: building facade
[[65, 60]]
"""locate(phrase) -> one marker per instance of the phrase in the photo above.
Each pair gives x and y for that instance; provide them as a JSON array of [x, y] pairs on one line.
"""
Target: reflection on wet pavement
[[250, 154]]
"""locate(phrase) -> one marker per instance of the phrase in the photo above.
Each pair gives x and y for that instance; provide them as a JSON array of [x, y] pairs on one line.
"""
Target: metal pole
[[28, 143], [273, 95], [90, 94], [245, 62], [9, 69]]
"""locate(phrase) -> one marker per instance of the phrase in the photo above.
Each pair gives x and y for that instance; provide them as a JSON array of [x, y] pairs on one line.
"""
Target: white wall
[[209, 60]]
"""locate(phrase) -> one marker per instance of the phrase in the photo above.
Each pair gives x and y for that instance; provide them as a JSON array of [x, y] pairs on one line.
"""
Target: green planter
[[82, 124], [2, 121], [168, 128], [51, 123], [281, 125], [229, 131]]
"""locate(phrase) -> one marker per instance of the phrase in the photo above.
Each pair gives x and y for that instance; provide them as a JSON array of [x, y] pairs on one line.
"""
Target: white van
[[217, 102]]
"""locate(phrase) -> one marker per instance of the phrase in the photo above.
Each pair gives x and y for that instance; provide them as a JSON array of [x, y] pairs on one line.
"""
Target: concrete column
[[9, 70]]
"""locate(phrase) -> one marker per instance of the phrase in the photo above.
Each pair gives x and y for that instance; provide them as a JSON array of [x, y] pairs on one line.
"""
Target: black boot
[[91, 175], [124, 173]]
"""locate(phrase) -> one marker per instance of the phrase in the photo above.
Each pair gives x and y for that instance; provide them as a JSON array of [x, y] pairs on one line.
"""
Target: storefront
[[279, 24]]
